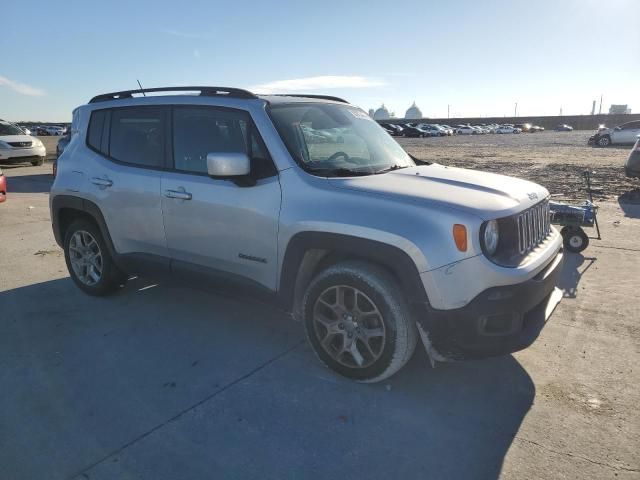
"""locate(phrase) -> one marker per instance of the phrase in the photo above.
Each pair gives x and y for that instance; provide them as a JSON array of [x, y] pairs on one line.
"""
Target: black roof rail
[[204, 91], [319, 97]]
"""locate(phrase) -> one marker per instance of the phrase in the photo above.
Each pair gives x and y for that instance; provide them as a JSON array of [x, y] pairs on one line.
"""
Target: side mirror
[[228, 164]]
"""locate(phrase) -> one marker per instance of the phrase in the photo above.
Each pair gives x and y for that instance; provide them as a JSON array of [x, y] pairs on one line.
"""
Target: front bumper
[[22, 154], [498, 321]]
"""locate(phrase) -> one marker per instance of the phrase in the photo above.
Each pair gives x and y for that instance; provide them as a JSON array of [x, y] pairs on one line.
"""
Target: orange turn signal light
[[460, 236]]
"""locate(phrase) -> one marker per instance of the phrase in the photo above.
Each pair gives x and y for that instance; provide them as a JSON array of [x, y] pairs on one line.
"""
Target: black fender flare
[[88, 208], [298, 266]]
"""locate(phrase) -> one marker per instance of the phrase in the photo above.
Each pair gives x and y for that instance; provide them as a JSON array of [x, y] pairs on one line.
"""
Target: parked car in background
[[53, 130], [448, 129], [411, 131], [432, 130], [466, 130], [3, 187], [17, 146], [536, 128], [524, 127], [632, 165], [625, 134], [25, 129], [563, 128], [507, 129], [62, 143]]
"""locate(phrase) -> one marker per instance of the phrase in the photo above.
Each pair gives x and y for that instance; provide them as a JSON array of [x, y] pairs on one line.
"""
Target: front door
[[221, 225]]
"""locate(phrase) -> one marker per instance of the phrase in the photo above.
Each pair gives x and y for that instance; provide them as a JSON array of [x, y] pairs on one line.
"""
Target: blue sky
[[480, 57]]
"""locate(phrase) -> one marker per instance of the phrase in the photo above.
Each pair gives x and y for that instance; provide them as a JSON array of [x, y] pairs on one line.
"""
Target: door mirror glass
[[228, 164]]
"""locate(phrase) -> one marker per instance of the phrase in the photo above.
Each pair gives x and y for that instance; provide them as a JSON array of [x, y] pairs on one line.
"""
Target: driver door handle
[[181, 195]]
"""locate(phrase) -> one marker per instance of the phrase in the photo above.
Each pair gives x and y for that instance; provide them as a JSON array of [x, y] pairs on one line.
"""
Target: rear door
[[214, 225], [128, 149]]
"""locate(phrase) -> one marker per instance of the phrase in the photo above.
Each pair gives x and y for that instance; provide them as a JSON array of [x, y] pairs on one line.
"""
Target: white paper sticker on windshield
[[359, 114]]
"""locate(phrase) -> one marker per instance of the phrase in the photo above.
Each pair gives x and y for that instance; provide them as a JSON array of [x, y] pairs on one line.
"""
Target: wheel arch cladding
[[309, 252], [67, 208]]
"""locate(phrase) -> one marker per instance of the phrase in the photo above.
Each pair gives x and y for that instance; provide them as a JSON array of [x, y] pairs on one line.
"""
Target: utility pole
[[448, 107], [515, 110], [600, 110]]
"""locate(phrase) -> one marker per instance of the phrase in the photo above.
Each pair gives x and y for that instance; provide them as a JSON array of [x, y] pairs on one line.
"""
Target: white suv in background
[[16, 146]]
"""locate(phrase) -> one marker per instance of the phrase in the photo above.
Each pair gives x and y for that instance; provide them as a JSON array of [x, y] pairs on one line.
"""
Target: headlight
[[36, 142], [490, 237]]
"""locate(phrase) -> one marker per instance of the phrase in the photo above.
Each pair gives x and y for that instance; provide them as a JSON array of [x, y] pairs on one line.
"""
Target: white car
[[54, 130], [507, 129], [625, 134], [16, 146], [468, 130]]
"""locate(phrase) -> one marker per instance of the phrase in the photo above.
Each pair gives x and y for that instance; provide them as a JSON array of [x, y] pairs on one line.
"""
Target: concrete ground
[[164, 382]]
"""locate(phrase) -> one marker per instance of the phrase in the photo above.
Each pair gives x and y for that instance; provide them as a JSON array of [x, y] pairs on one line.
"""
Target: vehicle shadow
[[97, 374], [630, 203], [572, 272], [37, 183]]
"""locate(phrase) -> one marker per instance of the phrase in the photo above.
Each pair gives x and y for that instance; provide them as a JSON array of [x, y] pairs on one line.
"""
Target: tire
[[575, 239], [604, 141], [37, 163], [85, 235], [386, 325]]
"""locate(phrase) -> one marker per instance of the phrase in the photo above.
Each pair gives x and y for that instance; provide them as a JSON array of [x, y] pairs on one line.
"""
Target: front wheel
[[37, 163], [604, 141], [358, 322]]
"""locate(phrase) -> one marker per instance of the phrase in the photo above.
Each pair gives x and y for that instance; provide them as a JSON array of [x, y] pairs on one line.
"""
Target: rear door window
[[138, 136]]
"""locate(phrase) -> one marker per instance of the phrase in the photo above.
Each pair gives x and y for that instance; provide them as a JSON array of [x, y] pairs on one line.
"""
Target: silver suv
[[305, 200]]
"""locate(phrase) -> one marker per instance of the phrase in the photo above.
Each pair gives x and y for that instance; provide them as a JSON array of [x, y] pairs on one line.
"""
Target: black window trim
[[168, 162], [251, 128]]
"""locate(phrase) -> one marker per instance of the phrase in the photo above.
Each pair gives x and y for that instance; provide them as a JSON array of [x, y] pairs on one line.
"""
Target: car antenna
[[141, 89]]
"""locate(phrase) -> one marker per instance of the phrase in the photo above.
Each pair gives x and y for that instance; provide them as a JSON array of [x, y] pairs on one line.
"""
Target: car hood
[[486, 195], [16, 138]]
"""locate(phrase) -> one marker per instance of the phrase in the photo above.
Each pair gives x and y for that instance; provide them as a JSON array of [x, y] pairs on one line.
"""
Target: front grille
[[534, 225], [20, 144]]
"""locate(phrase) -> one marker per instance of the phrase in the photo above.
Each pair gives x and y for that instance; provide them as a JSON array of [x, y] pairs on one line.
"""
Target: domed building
[[382, 113], [413, 112]]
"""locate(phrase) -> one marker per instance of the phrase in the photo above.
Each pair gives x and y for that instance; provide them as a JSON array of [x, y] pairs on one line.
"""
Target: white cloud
[[317, 83], [191, 35], [21, 88]]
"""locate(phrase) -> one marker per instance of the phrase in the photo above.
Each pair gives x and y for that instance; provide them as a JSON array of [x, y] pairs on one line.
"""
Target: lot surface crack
[[187, 410], [580, 457]]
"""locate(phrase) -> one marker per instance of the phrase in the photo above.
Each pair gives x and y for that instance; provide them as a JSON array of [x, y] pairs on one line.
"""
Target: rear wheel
[[358, 322], [88, 260]]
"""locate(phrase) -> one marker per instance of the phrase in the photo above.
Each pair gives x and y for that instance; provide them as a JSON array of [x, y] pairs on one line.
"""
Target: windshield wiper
[[389, 169], [418, 161], [338, 172]]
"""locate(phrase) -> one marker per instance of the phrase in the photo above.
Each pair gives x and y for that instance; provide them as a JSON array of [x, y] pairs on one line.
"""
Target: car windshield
[[337, 140], [9, 129]]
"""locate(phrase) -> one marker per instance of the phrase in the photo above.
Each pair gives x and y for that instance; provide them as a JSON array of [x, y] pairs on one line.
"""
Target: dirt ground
[[556, 160]]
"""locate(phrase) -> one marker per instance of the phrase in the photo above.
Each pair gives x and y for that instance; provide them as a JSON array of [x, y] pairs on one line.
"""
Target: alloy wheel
[[349, 326], [85, 257]]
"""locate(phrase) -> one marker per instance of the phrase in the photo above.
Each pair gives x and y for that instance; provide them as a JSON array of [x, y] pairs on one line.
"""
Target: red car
[[3, 187]]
